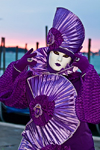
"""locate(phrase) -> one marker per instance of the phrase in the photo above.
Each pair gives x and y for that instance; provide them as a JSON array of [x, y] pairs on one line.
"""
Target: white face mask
[[58, 60]]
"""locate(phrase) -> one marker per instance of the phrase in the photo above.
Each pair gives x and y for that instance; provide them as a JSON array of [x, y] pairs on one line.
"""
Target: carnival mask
[[58, 60]]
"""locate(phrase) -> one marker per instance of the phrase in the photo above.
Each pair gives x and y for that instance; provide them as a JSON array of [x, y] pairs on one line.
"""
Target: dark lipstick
[[57, 64]]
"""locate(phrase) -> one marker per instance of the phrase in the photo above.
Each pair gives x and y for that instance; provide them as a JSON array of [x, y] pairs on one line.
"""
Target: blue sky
[[24, 21]]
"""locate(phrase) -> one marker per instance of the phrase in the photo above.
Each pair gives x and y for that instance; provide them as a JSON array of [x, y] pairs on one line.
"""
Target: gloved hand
[[27, 59], [81, 62]]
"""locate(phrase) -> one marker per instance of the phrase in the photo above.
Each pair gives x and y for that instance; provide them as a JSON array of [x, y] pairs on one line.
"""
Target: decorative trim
[[16, 69], [83, 75], [66, 49]]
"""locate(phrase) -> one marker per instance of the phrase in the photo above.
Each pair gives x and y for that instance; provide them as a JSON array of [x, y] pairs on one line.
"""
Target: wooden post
[[3, 50], [89, 49], [16, 53], [0, 56], [37, 45], [4, 59], [46, 32], [25, 47]]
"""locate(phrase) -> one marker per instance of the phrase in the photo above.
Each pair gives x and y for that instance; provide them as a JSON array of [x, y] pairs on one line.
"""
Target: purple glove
[[27, 59], [81, 62]]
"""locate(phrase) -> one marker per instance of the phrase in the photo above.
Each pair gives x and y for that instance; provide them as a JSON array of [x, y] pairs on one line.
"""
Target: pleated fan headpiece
[[67, 33]]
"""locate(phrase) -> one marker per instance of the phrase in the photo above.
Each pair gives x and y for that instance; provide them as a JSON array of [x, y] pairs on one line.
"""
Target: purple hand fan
[[52, 110]]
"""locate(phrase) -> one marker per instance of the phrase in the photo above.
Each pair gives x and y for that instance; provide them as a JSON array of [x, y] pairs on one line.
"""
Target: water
[[10, 56], [95, 60]]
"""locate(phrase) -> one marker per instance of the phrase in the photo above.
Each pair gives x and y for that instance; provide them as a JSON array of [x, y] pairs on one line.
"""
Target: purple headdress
[[67, 33]]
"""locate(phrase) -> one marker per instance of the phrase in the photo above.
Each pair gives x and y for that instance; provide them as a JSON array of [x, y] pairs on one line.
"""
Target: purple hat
[[67, 33]]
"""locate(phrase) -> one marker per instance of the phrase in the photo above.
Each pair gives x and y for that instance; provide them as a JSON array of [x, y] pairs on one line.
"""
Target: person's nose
[[59, 58]]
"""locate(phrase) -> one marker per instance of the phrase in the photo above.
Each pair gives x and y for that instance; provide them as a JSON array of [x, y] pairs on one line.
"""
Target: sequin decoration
[[37, 110]]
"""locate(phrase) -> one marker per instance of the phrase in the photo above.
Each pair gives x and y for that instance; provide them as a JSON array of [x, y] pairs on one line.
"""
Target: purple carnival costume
[[61, 102]]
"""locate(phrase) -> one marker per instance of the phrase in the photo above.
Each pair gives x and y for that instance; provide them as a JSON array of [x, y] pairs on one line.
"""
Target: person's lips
[[57, 64]]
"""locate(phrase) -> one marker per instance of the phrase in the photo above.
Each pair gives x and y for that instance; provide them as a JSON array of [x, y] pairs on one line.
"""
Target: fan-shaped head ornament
[[67, 33]]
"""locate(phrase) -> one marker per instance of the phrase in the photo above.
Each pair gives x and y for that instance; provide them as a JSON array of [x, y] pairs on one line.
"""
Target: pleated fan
[[60, 120]]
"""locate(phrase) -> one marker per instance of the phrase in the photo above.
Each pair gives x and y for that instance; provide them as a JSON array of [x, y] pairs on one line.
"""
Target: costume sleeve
[[13, 91], [88, 100]]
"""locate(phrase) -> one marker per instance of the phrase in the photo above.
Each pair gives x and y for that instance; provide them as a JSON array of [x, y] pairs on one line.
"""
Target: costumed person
[[61, 99]]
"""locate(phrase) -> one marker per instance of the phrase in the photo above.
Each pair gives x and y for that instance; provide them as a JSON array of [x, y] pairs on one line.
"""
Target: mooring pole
[[46, 32], [16, 53], [89, 49], [25, 47], [3, 50], [0, 56], [37, 45]]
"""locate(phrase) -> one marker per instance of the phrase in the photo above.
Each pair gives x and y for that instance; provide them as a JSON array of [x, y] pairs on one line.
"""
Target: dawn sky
[[24, 21]]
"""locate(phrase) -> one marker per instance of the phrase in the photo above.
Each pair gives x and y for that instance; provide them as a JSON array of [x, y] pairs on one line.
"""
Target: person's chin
[[57, 68]]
